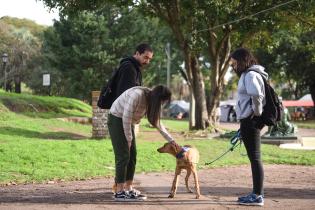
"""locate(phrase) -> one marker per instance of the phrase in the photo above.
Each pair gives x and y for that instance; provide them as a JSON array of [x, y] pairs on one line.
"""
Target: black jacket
[[129, 75]]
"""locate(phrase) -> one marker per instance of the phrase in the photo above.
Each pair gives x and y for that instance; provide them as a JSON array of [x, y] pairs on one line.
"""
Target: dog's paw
[[171, 196], [197, 196]]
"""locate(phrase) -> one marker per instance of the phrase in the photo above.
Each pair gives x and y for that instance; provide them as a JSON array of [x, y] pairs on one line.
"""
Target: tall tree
[[209, 28], [294, 57], [290, 56], [21, 45], [86, 47]]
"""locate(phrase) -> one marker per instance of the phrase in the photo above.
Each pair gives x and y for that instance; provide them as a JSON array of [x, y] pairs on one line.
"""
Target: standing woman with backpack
[[249, 107]]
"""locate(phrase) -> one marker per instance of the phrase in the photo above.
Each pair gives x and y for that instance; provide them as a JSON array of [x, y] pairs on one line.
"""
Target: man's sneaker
[[136, 194], [252, 200], [123, 196]]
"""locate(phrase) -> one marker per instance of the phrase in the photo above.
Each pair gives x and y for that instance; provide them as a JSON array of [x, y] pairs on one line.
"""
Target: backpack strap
[[264, 79], [112, 79]]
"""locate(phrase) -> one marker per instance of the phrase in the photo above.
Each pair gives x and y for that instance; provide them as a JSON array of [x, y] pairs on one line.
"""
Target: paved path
[[286, 187], [304, 132]]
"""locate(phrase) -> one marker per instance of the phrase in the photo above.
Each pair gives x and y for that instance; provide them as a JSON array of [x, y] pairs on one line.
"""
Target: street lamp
[[5, 60]]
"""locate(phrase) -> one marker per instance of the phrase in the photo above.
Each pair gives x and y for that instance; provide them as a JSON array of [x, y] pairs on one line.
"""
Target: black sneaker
[[245, 197], [122, 196], [253, 200], [136, 194]]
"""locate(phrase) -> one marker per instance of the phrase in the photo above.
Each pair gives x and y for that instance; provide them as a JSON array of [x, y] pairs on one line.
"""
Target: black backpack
[[108, 94], [273, 109]]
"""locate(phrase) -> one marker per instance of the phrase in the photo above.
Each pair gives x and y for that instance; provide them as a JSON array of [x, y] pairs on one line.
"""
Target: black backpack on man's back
[[119, 82], [108, 93], [273, 109]]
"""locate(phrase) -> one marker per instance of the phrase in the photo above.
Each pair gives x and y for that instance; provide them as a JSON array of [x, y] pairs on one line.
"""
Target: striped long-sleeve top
[[131, 106]]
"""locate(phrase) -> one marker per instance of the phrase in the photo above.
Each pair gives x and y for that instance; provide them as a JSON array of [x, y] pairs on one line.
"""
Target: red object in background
[[288, 103]]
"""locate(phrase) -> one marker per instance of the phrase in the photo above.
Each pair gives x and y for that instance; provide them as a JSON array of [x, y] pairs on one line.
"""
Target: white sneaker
[[136, 194]]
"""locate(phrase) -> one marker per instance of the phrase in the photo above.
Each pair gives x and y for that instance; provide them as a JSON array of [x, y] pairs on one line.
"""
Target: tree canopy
[[21, 40], [210, 29], [292, 61], [82, 49], [86, 47]]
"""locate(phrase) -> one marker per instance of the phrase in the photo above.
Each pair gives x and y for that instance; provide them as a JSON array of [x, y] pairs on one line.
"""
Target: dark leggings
[[250, 132], [125, 161]]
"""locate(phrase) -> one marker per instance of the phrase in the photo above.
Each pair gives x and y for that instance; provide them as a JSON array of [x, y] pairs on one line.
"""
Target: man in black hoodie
[[130, 68], [130, 75]]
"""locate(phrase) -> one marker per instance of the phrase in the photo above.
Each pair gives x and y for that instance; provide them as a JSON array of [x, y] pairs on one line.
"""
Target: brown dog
[[187, 158]]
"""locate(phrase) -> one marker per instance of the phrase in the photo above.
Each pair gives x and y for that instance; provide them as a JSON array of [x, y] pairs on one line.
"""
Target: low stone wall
[[99, 119]]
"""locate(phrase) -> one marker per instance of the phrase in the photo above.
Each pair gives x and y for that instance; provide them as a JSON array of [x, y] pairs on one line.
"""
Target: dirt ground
[[286, 187]]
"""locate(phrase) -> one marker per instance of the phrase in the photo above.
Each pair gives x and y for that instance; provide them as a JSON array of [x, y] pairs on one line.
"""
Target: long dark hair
[[156, 97], [244, 59]]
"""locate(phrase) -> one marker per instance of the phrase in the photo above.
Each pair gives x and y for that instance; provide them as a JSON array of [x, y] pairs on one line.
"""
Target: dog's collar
[[181, 153]]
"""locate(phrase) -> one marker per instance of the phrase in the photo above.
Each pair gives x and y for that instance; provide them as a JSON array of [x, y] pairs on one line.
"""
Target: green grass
[[37, 147], [171, 124], [26, 158], [305, 124], [43, 106]]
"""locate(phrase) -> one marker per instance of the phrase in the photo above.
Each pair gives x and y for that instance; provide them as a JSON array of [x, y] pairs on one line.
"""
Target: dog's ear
[[176, 148], [171, 146]]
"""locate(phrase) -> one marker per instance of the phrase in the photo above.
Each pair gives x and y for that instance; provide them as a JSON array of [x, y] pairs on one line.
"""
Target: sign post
[[46, 81]]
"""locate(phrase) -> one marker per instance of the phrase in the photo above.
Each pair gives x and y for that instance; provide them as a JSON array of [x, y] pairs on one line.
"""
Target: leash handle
[[235, 138], [234, 142]]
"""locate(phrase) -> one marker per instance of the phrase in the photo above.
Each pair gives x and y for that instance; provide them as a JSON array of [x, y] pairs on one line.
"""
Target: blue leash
[[235, 141]]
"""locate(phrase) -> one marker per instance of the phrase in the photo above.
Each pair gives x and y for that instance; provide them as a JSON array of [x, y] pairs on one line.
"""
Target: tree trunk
[[192, 121], [219, 57], [214, 98], [201, 115], [198, 110], [17, 84], [312, 91], [8, 87], [171, 13]]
